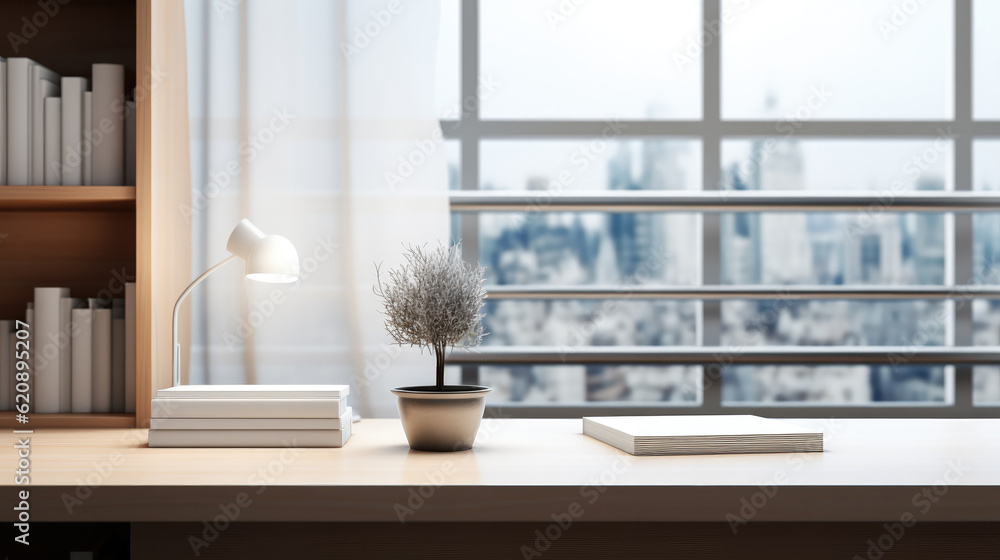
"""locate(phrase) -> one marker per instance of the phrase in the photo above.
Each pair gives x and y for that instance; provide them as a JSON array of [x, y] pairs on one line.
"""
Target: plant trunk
[[439, 353]]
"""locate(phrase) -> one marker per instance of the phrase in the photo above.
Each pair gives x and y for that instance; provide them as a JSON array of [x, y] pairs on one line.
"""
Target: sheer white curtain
[[299, 109]]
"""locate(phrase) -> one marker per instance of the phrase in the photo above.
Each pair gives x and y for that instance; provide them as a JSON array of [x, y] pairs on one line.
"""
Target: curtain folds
[[316, 120]]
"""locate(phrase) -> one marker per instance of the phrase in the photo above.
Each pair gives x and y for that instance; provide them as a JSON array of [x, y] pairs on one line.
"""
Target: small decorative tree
[[434, 300]]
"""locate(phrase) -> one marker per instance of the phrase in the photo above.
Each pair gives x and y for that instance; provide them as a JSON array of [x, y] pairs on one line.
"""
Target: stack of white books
[[81, 353], [702, 435], [251, 416]]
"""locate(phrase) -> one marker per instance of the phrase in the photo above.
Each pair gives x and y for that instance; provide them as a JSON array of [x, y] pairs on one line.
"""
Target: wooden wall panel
[[164, 188]]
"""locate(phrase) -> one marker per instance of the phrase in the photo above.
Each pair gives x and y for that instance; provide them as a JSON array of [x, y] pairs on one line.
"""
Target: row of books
[[81, 353], [56, 130], [251, 416]]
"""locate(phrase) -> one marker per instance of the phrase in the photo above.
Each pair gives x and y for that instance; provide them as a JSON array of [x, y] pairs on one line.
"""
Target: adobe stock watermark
[[102, 470], [581, 335], [755, 330], [912, 170], [46, 350], [815, 100], [225, 7], [418, 497], [408, 163], [250, 149], [121, 108], [364, 34], [230, 512], [922, 503], [32, 24], [694, 47], [899, 16], [750, 506], [263, 309], [933, 328], [563, 521], [579, 161]]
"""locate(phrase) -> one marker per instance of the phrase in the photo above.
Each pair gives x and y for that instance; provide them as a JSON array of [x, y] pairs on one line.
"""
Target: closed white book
[[118, 364], [6, 371], [130, 356], [82, 388], [18, 144], [45, 84], [3, 121], [252, 423], [71, 158], [108, 105], [52, 157], [46, 348], [100, 370], [255, 391], [29, 318], [66, 307], [248, 408], [130, 143], [702, 435], [249, 438], [87, 142]]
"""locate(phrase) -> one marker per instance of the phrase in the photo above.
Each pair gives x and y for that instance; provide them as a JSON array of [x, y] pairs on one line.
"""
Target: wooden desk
[[520, 470]]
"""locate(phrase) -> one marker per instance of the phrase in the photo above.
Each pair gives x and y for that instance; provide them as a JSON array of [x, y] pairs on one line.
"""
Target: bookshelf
[[84, 237]]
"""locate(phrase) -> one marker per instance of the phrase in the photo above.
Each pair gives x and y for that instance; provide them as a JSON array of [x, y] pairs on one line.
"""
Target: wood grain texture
[[583, 540], [528, 470], [66, 198], [163, 194], [75, 421], [91, 252]]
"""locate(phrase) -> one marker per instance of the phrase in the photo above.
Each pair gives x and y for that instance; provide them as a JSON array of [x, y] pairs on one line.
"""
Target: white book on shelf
[[248, 408], [71, 159], [249, 438], [52, 155], [130, 143], [29, 318], [702, 434], [82, 385], [46, 84], [18, 109], [117, 362], [87, 142], [255, 391], [66, 307], [46, 348], [108, 105], [252, 423], [130, 349], [3, 121], [6, 371], [101, 360]]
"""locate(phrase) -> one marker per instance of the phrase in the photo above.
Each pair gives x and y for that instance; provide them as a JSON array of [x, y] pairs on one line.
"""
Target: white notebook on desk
[[702, 435]]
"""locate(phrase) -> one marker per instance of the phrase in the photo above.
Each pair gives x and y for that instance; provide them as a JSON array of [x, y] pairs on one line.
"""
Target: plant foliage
[[434, 300]]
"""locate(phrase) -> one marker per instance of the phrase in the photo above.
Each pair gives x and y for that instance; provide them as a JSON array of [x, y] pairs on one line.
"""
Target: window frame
[[469, 129]]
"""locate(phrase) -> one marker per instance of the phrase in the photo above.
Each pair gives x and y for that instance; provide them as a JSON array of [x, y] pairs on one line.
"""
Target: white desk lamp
[[269, 258]]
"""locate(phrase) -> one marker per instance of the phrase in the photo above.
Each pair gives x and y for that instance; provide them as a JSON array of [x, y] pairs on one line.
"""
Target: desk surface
[[520, 470]]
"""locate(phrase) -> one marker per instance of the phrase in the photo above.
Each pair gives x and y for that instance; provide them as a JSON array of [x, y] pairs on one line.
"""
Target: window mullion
[[962, 272], [711, 258]]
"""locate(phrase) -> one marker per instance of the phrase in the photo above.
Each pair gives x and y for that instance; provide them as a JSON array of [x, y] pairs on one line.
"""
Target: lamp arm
[[177, 311]]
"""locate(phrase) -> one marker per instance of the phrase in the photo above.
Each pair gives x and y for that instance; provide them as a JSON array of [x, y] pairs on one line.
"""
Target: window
[[715, 204]]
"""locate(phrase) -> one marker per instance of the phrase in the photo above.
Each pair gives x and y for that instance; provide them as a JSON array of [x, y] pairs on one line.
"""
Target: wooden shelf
[[95, 420], [66, 198]]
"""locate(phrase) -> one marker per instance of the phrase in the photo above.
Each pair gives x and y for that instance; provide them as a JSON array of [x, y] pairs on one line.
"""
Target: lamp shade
[[269, 258]]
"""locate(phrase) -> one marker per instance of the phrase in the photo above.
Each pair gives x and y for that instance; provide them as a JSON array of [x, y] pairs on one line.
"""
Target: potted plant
[[434, 300]]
